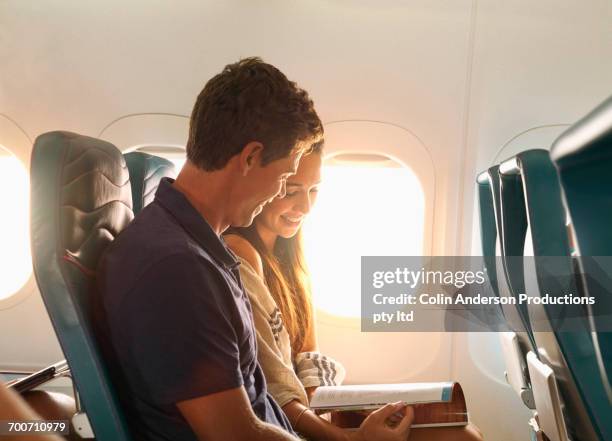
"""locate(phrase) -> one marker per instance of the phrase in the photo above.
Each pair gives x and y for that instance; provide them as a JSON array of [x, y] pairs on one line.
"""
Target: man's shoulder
[[153, 239]]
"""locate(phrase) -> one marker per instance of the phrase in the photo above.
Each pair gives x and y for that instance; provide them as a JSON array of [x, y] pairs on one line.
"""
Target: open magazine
[[436, 404]]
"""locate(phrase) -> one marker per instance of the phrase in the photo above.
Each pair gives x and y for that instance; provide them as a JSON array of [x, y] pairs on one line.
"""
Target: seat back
[[552, 272], [80, 200], [515, 344], [494, 317], [583, 157], [511, 314], [488, 228], [512, 221], [146, 171]]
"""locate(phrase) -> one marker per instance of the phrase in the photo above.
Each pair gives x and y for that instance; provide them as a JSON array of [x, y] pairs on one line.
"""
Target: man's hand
[[385, 425]]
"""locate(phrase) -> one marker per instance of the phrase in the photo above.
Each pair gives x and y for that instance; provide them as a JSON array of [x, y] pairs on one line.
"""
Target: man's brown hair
[[250, 101]]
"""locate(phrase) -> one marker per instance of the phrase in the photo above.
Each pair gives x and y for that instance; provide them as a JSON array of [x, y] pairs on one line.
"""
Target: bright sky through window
[[360, 211], [15, 260]]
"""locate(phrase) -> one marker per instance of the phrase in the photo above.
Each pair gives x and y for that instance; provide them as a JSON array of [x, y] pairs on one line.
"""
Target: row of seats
[[556, 206], [83, 193]]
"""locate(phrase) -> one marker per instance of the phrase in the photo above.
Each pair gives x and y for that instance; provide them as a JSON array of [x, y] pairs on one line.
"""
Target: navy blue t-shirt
[[174, 321]]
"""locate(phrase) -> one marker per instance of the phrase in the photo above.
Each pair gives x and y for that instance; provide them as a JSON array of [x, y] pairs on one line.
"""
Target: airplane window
[[178, 163], [363, 209], [15, 259]]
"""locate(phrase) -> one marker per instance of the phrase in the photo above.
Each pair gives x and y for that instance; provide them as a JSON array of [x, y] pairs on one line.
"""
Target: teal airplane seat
[[512, 222], [583, 157], [488, 234], [146, 171], [80, 200], [517, 341], [494, 249], [566, 349], [488, 227]]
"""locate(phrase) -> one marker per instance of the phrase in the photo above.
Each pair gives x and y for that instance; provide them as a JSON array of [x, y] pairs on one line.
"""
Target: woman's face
[[284, 216]]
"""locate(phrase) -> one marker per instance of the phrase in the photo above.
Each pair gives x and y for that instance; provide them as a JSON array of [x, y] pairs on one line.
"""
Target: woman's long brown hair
[[286, 276]]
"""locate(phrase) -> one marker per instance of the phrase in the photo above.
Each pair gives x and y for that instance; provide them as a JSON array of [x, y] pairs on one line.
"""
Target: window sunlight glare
[[15, 259], [178, 163], [360, 211]]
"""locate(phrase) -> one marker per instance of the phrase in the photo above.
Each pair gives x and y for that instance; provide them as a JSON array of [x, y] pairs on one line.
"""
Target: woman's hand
[[389, 423], [310, 392]]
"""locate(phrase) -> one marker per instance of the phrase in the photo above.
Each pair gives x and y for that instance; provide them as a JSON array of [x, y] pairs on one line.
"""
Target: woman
[[274, 274]]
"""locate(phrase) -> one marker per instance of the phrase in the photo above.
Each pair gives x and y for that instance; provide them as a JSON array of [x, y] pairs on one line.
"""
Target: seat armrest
[[32, 381]]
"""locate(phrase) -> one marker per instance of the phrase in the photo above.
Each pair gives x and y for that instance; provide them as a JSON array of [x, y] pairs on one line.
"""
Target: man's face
[[262, 185]]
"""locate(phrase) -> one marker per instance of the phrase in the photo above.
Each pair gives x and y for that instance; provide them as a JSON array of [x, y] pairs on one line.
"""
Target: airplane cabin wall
[[474, 81]]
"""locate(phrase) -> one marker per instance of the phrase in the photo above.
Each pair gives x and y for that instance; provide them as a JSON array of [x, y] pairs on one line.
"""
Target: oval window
[[366, 207], [15, 258]]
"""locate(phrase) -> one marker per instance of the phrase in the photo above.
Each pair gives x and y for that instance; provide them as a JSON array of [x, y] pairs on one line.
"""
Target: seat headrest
[[146, 171], [588, 139], [91, 189]]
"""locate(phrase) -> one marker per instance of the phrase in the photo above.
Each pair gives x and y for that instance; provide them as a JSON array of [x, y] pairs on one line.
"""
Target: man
[[170, 311]]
